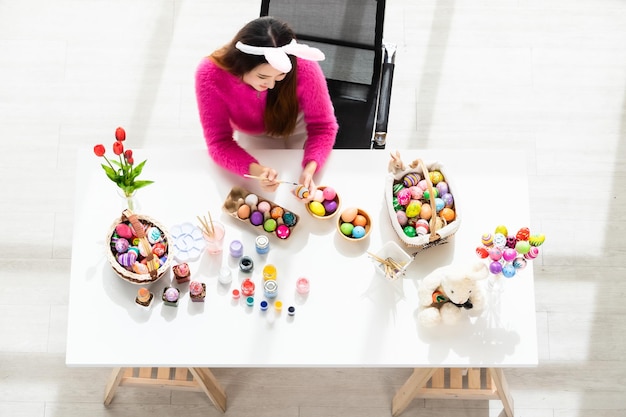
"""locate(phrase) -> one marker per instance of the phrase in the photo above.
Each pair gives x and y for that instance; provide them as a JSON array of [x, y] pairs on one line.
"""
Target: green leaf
[[142, 183], [110, 173]]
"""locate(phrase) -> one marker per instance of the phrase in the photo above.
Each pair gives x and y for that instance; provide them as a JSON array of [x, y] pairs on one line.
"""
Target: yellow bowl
[[367, 227], [326, 216]]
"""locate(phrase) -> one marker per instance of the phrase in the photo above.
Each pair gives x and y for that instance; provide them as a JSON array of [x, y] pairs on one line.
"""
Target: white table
[[352, 317]]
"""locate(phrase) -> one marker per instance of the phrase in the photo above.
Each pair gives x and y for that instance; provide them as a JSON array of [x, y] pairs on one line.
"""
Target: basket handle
[[143, 240], [434, 224]]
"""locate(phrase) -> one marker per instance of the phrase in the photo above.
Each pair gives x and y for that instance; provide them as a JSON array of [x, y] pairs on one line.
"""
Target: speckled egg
[[416, 192], [435, 177], [448, 199], [290, 219], [277, 212], [443, 188], [243, 212], [413, 209]]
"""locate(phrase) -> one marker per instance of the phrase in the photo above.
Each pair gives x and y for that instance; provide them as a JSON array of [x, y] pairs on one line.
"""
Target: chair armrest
[[384, 98]]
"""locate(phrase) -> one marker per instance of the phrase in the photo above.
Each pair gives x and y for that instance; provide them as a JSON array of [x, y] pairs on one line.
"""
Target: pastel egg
[[402, 218], [499, 240], [121, 245], [448, 199], [359, 220], [127, 259], [416, 192], [495, 254], [264, 207], [522, 247], [346, 228], [154, 235], [319, 195], [411, 179], [423, 223], [243, 212], [252, 200], [124, 230], [423, 184], [256, 218], [420, 229], [349, 214], [443, 188], [508, 271], [317, 208], [290, 219], [269, 225], [426, 212], [277, 212], [329, 193], [439, 204], [358, 232], [330, 206]]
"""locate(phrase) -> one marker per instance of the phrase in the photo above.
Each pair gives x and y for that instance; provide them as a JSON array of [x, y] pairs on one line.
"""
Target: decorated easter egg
[[487, 239], [523, 234], [404, 196], [511, 241], [396, 205], [264, 207], [277, 212], [413, 209], [358, 232], [402, 218], [439, 204], [154, 235], [435, 177], [269, 225], [158, 249], [519, 263], [124, 230], [420, 229], [448, 199], [502, 230], [443, 188], [522, 247], [171, 294], [349, 214], [318, 195], [256, 218], [302, 191], [290, 219], [127, 259], [423, 184], [499, 240], [482, 252], [409, 231], [495, 254], [416, 192], [411, 179], [243, 212], [508, 254], [423, 223], [495, 267], [508, 271], [329, 193], [283, 231], [397, 187], [330, 206], [134, 249], [346, 228], [317, 208], [448, 214], [359, 220], [140, 268], [121, 245], [426, 212], [252, 200], [427, 193], [537, 240], [532, 253]]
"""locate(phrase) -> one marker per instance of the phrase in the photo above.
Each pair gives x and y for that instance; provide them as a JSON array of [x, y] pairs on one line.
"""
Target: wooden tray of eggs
[[264, 215], [138, 248], [421, 204]]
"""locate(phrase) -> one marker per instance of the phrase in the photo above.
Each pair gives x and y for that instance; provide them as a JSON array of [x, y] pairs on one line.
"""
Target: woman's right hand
[[268, 176]]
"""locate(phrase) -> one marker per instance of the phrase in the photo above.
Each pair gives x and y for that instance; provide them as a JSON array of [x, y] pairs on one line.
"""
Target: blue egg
[[508, 271], [439, 204], [358, 232]]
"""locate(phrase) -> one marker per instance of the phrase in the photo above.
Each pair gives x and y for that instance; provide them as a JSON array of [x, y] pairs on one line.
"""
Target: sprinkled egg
[[413, 209], [243, 212], [349, 214], [329, 193], [317, 208], [256, 218], [264, 207], [252, 200], [435, 177]]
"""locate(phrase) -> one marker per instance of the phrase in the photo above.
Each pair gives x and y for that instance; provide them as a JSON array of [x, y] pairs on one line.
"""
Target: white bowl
[[395, 252]]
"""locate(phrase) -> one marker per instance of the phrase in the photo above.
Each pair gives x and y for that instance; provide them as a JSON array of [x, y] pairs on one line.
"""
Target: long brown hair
[[281, 110]]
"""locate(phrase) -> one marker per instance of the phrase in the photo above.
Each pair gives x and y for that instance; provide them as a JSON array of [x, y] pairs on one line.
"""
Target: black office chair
[[358, 66]]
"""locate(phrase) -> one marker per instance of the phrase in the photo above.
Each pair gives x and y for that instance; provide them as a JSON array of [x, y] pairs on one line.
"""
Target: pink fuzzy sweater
[[226, 103]]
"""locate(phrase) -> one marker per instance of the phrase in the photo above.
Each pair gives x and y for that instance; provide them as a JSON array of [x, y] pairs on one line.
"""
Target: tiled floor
[[545, 76]]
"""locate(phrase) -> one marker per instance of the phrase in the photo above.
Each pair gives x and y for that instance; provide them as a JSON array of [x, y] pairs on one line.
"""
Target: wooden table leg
[[210, 386], [112, 384], [502, 388], [409, 390]]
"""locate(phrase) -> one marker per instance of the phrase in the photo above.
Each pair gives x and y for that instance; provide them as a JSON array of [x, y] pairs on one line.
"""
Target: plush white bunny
[[447, 291]]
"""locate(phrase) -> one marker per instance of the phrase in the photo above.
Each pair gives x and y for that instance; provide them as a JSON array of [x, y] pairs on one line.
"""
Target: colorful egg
[[277, 212], [499, 240], [318, 195], [154, 235], [269, 225], [411, 179], [413, 209], [482, 252], [523, 234], [124, 230], [346, 228], [358, 232], [448, 199], [397, 187], [502, 230], [329, 193], [330, 206], [158, 249], [359, 220], [302, 191], [509, 254], [423, 223], [171, 294], [127, 259], [349, 214], [487, 239], [443, 188], [409, 231], [435, 177], [423, 184], [508, 271], [427, 193], [140, 268], [256, 218], [252, 200], [448, 214], [317, 208], [495, 267], [519, 263], [495, 254], [537, 240], [402, 218], [264, 207], [426, 212], [532, 253], [404, 197], [290, 219], [396, 204], [416, 192], [243, 212], [121, 245], [283, 231], [522, 247], [420, 229], [439, 204], [511, 241]]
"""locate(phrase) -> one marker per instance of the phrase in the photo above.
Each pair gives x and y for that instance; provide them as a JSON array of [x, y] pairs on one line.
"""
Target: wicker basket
[[139, 223], [440, 230]]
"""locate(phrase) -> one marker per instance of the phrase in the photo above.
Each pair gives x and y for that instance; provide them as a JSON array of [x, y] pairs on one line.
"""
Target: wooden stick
[[211, 222], [256, 177], [205, 227]]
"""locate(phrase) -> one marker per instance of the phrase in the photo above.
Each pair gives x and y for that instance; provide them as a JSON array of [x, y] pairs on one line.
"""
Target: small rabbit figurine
[[395, 164]]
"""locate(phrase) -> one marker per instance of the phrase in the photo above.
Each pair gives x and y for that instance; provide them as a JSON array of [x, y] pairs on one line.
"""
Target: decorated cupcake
[[182, 273], [197, 291], [170, 296]]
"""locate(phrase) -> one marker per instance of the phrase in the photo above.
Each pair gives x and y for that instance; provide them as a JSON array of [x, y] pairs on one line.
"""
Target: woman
[[264, 90]]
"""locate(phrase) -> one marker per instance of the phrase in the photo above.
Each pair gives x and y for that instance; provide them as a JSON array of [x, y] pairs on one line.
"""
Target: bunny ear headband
[[277, 57]]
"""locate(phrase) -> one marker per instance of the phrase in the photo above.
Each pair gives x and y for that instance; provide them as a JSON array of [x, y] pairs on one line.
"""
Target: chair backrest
[[350, 33]]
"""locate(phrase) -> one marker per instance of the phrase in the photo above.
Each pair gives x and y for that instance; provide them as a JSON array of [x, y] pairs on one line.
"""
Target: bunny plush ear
[[278, 57]]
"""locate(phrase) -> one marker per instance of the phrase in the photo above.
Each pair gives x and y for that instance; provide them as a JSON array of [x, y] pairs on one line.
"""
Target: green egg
[[346, 228], [269, 225], [410, 231], [317, 208]]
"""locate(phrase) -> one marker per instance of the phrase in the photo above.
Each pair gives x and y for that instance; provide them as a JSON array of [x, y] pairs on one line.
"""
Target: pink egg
[[124, 230], [416, 192], [495, 254], [402, 218], [264, 207], [509, 254], [319, 196], [423, 184], [329, 193]]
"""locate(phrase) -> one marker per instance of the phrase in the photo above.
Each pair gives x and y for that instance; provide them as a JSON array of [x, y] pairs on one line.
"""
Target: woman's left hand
[[306, 179]]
